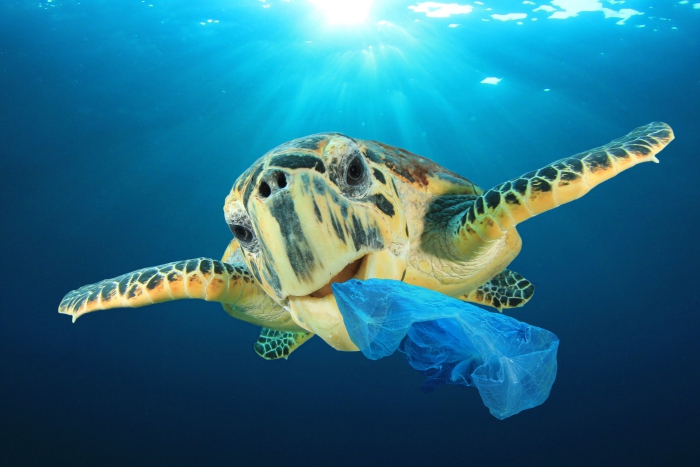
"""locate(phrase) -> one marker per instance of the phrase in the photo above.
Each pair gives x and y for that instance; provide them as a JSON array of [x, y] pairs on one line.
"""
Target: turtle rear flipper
[[501, 208], [272, 344], [507, 289]]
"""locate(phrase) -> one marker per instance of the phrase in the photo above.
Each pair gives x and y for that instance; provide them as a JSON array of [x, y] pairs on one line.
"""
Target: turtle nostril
[[264, 190], [271, 183]]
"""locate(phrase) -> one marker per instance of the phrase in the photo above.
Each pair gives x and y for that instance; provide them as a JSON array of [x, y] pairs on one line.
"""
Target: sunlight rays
[[344, 11]]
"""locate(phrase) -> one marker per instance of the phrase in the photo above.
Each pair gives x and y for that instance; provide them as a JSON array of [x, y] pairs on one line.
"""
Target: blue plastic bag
[[512, 364]]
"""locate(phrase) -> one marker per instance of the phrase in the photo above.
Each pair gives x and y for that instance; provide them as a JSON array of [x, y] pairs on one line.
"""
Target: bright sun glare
[[344, 11]]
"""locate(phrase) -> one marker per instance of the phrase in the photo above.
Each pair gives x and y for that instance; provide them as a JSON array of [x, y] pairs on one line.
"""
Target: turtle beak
[[319, 313]]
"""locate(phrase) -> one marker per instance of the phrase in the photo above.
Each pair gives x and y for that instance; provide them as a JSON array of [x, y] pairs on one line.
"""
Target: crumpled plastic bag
[[511, 363]]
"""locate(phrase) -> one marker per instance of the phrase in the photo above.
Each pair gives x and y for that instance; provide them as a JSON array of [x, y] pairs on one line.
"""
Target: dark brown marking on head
[[343, 208], [218, 267], [396, 191], [395, 161], [180, 266], [252, 183], [310, 142], [399, 170], [338, 228], [298, 161], [305, 182], [256, 272], [371, 155], [379, 176], [272, 279], [357, 232], [267, 259], [413, 168], [243, 178], [319, 187], [317, 211], [296, 245], [360, 238], [383, 204]]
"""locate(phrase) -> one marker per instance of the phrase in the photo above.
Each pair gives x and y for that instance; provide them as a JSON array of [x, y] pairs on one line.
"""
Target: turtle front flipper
[[202, 278], [501, 208], [272, 344], [507, 289]]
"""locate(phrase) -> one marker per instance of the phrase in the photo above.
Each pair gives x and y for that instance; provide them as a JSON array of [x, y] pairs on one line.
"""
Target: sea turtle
[[327, 208]]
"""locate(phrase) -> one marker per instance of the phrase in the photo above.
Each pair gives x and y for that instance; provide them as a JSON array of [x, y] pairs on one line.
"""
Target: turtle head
[[314, 211]]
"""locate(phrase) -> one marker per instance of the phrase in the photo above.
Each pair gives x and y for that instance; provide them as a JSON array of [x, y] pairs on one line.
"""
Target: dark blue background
[[123, 126]]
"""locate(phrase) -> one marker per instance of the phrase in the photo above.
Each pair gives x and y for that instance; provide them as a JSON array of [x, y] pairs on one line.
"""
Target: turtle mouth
[[318, 311], [350, 271]]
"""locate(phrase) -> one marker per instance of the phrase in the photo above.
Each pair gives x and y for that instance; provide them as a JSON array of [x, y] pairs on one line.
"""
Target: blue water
[[124, 125]]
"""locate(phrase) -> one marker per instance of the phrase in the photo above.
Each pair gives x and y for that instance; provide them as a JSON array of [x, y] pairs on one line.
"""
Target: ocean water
[[123, 125]]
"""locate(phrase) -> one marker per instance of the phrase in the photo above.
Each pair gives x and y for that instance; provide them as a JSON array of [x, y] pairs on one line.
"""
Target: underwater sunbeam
[[344, 11]]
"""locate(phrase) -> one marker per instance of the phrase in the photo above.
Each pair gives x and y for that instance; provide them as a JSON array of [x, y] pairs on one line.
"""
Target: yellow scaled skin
[[328, 208]]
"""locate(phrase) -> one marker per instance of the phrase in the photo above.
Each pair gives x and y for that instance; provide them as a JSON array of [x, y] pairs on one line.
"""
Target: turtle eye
[[348, 170], [242, 229], [356, 170], [242, 234]]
